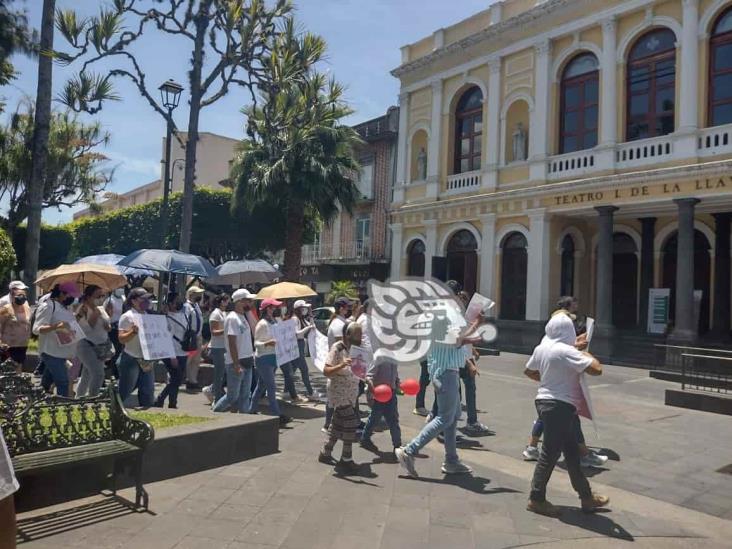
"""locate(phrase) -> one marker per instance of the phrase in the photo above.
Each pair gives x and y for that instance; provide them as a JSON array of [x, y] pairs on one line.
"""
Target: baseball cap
[[195, 290], [69, 288], [138, 293], [342, 301], [17, 285], [301, 303], [238, 295], [269, 302]]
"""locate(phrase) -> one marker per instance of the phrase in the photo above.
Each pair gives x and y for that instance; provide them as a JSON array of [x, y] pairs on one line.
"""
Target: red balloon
[[382, 393], [410, 386]]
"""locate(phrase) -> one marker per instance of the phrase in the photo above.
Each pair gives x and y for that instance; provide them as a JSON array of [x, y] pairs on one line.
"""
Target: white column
[[537, 291], [492, 141], [402, 148], [396, 250], [539, 129], [488, 256], [430, 245], [433, 154], [608, 97], [689, 99]]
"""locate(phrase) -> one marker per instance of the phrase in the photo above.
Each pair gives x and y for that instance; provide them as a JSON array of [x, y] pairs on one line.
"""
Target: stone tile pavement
[[290, 501]]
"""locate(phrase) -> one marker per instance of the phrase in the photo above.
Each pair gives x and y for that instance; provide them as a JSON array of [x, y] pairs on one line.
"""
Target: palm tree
[[298, 154]]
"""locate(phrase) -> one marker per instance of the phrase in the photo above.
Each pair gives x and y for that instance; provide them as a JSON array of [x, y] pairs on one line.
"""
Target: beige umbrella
[[106, 277], [285, 290]]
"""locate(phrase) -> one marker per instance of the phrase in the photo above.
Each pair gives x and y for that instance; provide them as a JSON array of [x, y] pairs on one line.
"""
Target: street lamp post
[[170, 93]]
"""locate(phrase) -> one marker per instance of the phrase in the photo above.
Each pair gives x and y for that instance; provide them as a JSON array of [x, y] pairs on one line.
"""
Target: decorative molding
[[520, 64], [494, 65], [632, 35], [569, 52], [610, 24], [577, 237], [412, 238], [709, 16], [659, 240], [504, 231], [511, 99], [455, 227], [544, 47]]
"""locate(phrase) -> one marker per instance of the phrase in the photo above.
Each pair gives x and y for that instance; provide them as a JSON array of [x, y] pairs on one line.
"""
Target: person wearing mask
[[13, 288], [56, 343], [217, 346], [266, 362], [194, 316], [301, 312], [132, 365], [176, 366], [15, 327], [113, 306], [239, 355], [94, 349], [558, 366], [279, 316], [343, 309], [8, 486]]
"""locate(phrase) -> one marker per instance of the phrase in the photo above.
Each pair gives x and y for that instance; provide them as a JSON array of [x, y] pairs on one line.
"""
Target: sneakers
[[590, 505], [531, 453], [284, 420], [324, 430], [406, 461], [458, 439], [327, 459], [348, 467], [370, 446], [429, 418], [457, 468], [422, 411], [593, 460], [477, 428], [208, 393], [543, 508]]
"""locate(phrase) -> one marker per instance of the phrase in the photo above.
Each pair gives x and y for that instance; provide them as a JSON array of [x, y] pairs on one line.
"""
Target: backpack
[[189, 342]]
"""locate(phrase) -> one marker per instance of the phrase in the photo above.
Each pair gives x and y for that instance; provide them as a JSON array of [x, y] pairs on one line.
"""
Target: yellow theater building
[[576, 147]]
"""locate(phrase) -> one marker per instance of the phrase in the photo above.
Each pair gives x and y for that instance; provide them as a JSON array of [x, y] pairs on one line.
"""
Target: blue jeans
[[289, 382], [448, 403], [266, 367], [131, 376], [175, 379], [217, 356], [390, 412], [238, 387], [470, 400], [56, 373], [300, 364]]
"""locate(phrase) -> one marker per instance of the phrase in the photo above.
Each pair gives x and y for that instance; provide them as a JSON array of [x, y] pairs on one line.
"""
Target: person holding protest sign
[[55, 327], [266, 361], [176, 365], [95, 348], [301, 312], [132, 365]]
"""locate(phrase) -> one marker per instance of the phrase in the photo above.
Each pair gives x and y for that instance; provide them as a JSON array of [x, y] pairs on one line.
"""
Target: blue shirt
[[444, 357]]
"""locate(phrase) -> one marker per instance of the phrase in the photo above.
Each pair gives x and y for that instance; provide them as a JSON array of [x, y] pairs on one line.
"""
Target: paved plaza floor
[[663, 480]]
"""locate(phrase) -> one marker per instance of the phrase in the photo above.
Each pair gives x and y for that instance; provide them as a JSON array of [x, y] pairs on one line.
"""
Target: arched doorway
[[702, 274], [462, 259], [415, 258], [514, 265], [625, 281], [566, 284]]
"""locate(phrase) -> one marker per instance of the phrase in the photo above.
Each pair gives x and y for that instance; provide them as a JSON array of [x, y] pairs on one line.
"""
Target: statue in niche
[[519, 143], [422, 165]]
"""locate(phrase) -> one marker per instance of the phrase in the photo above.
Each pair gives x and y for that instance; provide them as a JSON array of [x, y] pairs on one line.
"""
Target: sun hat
[[69, 288], [243, 293]]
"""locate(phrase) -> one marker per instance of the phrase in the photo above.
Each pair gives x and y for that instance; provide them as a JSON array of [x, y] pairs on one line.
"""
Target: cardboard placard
[[286, 349], [156, 341]]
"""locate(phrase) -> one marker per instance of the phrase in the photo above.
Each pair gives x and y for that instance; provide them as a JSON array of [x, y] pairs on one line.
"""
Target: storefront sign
[[658, 307]]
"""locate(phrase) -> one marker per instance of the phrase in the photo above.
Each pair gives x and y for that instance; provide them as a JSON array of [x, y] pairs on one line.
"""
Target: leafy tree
[[55, 246], [298, 152], [226, 38], [74, 168], [7, 257], [15, 36], [341, 288]]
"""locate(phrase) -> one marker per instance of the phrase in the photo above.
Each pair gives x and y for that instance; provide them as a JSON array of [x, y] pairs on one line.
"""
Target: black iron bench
[[55, 433]]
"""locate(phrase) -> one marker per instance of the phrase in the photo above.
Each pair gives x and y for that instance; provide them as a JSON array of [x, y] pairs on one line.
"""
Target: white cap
[[17, 285], [195, 290], [238, 295], [301, 303]]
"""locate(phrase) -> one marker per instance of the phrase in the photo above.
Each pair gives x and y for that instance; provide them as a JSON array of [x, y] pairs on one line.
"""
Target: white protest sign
[[478, 304], [590, 326], [360, 360], [286, 349], [71, 335], [318, 345], [156, 340]]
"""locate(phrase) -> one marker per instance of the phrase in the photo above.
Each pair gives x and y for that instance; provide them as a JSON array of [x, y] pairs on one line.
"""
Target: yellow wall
[[513, 174], [517, 113], [419, 141]]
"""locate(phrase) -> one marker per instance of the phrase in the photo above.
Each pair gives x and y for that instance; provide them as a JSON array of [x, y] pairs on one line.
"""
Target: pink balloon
[[410, 386], [382, 393]]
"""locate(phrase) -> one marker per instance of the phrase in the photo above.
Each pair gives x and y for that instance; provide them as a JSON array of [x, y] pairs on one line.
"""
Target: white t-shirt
[[237, 325], [177, 324], [335, 330], [116, 303], [98, 333], [8, 483], [132, 347], [217, 315], [363, 321], [52, 312]]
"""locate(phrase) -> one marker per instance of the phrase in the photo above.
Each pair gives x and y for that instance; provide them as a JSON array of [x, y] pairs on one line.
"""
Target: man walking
[[194, 317], [558, 366]]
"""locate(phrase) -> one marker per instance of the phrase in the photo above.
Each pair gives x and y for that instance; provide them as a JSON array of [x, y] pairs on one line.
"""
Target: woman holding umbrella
[[132, 366]]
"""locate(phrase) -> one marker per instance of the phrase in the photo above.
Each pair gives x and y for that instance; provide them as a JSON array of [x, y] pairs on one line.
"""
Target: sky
[[363, 37]]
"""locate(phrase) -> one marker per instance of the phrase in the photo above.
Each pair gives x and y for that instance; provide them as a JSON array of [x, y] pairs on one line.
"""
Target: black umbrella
[[245, 271], [169, 261]]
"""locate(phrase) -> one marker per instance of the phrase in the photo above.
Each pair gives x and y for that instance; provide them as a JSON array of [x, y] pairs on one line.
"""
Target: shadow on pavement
[[597, 522], [471, 483], [363, 472], [588, 471], [42, 526], [611, 454]]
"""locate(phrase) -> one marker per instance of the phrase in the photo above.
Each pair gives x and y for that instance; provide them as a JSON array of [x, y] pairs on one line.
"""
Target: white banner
[[156, 340], [318, 345], [286, 349]]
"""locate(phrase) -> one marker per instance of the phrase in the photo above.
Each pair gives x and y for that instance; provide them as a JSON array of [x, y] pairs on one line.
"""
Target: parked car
[[322, 316]]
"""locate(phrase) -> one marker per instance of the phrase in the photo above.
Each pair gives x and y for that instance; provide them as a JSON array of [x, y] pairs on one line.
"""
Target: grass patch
[[161, 420], [33, 346]]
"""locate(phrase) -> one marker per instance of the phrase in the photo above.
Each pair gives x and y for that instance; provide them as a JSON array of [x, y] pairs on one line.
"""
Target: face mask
[[144, 304], [98, 301], [304, 311], [277, 313], [20, 299], [68, 301], [246, 307], [197, 299], [119, 292]]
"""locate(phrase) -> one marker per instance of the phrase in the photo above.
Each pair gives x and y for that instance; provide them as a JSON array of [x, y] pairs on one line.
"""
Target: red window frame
[[581, 133], [653, 114], [714, 42], [474, 152]]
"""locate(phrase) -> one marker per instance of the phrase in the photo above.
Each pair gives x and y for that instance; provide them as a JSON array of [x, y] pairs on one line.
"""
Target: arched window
[[469, 131], [651, 85], [720, 71], [578, 104], [567, 276], [415, 258], [514, 267], [462, 259]]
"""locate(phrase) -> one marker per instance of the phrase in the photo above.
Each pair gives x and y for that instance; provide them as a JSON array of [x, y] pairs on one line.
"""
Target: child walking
[[383, 373], [342, 393]]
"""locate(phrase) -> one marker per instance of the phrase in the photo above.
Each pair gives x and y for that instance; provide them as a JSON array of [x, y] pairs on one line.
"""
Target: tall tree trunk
[[41, 129], [186, 222], [293, 243]]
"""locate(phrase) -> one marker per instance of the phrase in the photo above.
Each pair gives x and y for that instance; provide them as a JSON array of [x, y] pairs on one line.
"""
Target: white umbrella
[[245, 271]]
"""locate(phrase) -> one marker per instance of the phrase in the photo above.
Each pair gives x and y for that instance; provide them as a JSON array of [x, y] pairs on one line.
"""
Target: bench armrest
[[126, 428]]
